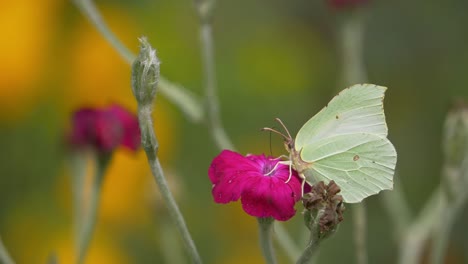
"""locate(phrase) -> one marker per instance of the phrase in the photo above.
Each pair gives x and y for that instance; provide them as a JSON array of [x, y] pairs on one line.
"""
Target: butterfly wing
[[346, 142], [358, 109], [361, 164]]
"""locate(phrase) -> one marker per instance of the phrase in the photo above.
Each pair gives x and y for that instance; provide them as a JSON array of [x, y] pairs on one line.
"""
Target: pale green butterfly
[[346, 142]]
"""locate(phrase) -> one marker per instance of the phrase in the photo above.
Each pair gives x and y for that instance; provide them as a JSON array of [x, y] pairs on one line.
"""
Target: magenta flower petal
[[83, 122], [228, 172], [259, 181], [269, 196], [109, 131], [105, 129], [131, 130]]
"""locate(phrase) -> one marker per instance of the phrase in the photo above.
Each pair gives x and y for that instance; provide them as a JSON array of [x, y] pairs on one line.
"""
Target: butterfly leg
[[272, 170], [290, 173], [302, 187]]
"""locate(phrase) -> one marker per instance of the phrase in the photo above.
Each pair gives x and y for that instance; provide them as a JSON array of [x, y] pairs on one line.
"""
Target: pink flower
[[105, 129], [262, 188], [343, 4]]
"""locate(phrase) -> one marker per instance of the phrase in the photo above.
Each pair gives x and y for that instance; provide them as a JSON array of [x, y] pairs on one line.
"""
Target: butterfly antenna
[[271, 149], [284, 127], [274, 131]]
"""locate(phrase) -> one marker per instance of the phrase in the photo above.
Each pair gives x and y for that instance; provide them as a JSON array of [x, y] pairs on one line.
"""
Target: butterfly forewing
[[358, 109]]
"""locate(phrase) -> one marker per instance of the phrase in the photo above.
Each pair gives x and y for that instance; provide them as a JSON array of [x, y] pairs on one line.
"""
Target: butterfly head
[[288, 140]]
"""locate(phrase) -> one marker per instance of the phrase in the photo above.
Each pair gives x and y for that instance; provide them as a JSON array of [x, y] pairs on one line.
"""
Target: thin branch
[[212, 104], [397, 209], [314, 241], [265, 227], [182, 98], [417, 233], [360, 232], [91, 216], [5, 257], [286, 242]]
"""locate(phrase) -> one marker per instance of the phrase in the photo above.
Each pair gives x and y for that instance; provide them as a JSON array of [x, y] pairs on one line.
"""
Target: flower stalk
[[5, 257], [205, 13], [314, 240], [90, 219], [145, 76], [265, 227], [323, 213], [178, 95]]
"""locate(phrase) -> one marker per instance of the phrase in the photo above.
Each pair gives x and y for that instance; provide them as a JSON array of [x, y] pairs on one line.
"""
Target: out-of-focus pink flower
[[262, 188], [344, 4], [131, 130], [105, 129]]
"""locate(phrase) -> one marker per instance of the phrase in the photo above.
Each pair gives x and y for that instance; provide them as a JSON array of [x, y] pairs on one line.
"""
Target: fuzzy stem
[[179, 96], [5, 257], [151, 145], [209, 70], [265, 227], [352, 40], [89, 223], [418, 232], [453, 202], [286, 242], [360, 232], [170, 242], [78, 174], [314, 241], [397, 209]]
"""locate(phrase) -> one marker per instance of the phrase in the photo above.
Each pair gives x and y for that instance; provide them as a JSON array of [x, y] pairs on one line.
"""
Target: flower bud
[[145, 74], [455, 147], [323, 202], [455, 142]]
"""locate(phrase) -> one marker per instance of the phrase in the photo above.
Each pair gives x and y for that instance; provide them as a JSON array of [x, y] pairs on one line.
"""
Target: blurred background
[[274, 59]]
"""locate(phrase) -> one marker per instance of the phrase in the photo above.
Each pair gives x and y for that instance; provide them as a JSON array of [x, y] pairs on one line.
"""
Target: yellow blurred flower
[[27, 27], [32, 238], [97, 74]]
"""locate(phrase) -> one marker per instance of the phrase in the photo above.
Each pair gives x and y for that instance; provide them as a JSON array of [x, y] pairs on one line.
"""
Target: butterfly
[[346, 142]]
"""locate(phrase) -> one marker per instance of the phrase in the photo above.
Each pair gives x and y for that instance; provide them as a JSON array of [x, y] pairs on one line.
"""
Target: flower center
[[268, 169]]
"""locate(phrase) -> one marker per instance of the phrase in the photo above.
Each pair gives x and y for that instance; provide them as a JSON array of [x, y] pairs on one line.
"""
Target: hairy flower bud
[[145, 74], [324, 202], [455, 146]]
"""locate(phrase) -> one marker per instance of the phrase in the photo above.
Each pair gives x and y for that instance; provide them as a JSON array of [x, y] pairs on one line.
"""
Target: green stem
[[209, 70], [360, 231], [397, 209], [452, 206], [286, 242], [179, 96], [352, 45], [78, 174], [314, 241], [265, 226], [5, 257], [151, 145], [169, 241], [352, 40], [418, 232], [88, 8], [91, 215]]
